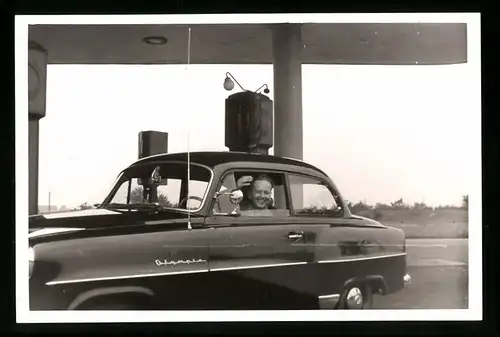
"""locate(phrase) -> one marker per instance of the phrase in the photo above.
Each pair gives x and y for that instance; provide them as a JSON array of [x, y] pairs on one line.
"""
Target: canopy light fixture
[[230, 80], [266, 90], [155, 40], [229, 83]]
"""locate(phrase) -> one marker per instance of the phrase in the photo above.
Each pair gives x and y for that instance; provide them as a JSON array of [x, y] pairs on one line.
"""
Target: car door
[[255, 255]]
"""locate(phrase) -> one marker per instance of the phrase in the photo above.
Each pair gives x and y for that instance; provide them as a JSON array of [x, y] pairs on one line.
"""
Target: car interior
[[277, 204]]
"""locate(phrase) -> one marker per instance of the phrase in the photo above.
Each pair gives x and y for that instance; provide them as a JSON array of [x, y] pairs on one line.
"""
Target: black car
[[159, 243]]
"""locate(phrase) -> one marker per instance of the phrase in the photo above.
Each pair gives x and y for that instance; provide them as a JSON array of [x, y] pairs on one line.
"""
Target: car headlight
[[31, 259]]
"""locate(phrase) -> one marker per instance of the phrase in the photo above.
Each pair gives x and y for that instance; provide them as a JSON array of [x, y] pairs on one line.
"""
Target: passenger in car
[[258, 195]]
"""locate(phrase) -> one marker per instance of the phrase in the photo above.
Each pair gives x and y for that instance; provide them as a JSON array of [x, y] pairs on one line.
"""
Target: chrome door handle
[[294, 236]]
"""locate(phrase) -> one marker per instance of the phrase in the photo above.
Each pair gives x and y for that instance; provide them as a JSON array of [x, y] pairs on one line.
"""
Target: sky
[[380, 132]]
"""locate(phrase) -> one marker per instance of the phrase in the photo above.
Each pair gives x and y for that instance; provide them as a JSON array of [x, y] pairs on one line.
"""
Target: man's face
[[260, 193]]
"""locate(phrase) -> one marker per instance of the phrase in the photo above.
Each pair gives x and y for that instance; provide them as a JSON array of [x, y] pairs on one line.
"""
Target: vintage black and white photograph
[[256, 165]]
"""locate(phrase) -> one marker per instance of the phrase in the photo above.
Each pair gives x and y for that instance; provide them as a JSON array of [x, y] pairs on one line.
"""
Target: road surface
[[437, 252], [440, 278]]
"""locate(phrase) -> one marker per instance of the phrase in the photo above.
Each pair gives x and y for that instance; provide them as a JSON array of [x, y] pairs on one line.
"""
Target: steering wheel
[[185, 200]]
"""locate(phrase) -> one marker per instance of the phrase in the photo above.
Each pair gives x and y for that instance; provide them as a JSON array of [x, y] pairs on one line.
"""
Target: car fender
[[92, 294], [371, 280]]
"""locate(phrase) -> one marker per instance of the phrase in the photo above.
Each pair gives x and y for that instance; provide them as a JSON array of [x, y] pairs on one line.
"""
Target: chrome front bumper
[[407, 279]]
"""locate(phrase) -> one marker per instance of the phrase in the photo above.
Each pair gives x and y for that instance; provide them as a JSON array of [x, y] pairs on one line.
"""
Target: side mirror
[[236, 197]]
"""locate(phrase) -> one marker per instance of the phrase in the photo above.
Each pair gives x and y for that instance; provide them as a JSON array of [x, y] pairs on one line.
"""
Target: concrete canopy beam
[[326, 43]]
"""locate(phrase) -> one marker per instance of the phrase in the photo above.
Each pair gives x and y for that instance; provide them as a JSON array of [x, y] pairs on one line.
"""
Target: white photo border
[[24, 315]]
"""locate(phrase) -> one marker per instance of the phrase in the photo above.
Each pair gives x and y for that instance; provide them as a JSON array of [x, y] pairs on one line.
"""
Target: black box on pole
[[152, 142], [249, 122]]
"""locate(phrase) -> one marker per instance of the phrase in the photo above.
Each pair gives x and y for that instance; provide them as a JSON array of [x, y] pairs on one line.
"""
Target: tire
[[357, 296]]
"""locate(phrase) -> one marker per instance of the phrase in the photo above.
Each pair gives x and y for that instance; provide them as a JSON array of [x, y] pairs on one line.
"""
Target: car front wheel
[[357, 297]]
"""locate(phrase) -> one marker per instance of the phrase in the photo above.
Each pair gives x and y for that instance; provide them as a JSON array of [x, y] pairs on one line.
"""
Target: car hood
[[99, 217]]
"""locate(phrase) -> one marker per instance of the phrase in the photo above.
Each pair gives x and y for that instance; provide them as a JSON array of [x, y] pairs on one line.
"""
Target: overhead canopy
[[324, 43]]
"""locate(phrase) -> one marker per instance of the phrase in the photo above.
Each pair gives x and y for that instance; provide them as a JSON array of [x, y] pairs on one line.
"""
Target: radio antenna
[[188, 139]]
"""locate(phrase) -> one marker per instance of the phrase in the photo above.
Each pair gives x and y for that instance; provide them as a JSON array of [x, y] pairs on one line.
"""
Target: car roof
[[214, 158]]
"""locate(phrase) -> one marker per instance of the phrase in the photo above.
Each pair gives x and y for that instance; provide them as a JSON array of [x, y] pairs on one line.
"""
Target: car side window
[[311, 196], [264, 194]]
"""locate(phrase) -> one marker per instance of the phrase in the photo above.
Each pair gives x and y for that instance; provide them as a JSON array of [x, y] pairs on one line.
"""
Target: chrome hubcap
[[354, 299]]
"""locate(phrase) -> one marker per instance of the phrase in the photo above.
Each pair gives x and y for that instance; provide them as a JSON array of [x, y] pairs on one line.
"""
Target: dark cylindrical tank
[[152, 142], [249, 122]]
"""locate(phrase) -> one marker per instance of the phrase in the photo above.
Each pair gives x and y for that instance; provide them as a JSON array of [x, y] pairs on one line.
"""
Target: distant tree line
[[401, 205], [378, 210]]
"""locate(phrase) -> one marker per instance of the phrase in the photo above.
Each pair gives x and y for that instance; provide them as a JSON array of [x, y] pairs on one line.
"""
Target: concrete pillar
[[287, 52], [37, 82], [288, 134], [33, 136]]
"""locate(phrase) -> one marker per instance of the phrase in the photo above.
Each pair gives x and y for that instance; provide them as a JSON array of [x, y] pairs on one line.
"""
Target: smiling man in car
[[258, 195]]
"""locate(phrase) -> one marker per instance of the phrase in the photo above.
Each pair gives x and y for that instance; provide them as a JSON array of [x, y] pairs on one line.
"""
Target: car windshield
[[163, 184]]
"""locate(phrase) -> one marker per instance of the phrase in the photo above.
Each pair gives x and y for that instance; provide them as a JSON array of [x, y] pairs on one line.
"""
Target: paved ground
[[437, 252], [439, 276]]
